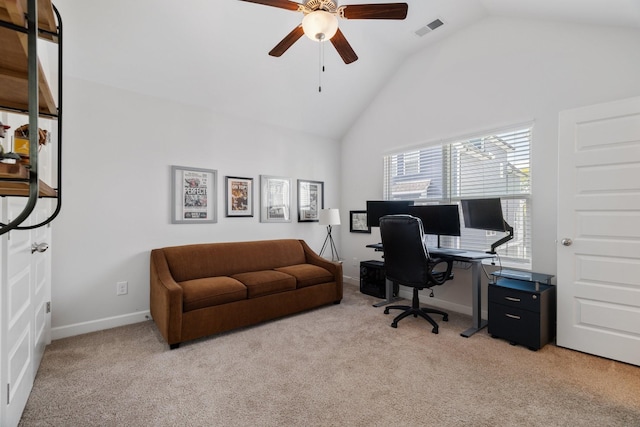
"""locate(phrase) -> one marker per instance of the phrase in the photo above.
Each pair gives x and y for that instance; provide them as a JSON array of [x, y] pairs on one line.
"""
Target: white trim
[[99, 325]]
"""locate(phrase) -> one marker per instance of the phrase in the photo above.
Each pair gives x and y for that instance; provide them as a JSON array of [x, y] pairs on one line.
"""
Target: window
[[492, 165]]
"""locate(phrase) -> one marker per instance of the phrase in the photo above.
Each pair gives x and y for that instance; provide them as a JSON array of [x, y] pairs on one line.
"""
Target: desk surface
[[459, 254], [455, 254]]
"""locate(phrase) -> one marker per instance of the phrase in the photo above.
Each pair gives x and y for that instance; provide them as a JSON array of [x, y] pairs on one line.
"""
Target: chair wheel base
[[394, 325], [445, 318]]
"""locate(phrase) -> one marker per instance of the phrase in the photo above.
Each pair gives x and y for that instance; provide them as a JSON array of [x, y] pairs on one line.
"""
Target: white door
[[25, 279], [598, 279]]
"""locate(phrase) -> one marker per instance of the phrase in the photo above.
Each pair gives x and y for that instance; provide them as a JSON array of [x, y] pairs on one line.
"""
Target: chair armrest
[[165, 298], [439, 277], [334, 268]]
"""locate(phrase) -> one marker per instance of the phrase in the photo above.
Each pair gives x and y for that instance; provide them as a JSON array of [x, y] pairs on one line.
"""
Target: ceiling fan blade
[[282, 4], [376, 11], [287, 42], [343, 47]]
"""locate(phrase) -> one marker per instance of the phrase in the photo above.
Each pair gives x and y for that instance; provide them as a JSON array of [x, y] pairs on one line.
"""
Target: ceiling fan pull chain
[[321, 65]]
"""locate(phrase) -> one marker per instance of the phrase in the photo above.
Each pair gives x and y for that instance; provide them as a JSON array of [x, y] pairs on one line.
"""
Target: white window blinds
[[491, 165]]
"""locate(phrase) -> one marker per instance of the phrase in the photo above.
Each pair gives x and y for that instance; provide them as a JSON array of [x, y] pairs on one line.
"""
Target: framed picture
[[193, 195], [358, 222], [310, 200], [239, 196], [275, 199]]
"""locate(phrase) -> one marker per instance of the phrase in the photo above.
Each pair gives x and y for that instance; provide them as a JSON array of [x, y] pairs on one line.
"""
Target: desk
[[475, 259]]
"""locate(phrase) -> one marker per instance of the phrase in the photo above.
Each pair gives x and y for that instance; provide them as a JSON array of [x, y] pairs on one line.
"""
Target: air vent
[[429, 27]]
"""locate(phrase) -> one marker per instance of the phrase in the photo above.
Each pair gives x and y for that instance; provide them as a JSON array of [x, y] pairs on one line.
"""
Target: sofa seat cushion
[[201, 293], [307, 274], [266, 282]]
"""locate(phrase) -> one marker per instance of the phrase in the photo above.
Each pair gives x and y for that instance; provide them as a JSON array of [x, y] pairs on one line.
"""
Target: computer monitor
[[486, 214], [483, 214], [376, 209], [439, 220]]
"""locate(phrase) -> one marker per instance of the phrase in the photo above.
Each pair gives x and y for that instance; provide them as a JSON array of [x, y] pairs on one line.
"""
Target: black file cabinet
[[522, 308], [372, 279]]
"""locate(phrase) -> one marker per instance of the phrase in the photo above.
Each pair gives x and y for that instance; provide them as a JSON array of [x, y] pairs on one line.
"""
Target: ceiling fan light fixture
[[320, 25]]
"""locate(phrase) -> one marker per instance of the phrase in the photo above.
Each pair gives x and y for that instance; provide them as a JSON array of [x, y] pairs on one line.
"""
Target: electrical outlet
[[122, 288]]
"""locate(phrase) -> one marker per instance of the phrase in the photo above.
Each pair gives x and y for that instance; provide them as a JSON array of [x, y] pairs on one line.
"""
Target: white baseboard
[[99, 325]]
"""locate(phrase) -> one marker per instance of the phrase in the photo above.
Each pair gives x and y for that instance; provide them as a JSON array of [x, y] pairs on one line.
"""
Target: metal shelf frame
[[33, 112]]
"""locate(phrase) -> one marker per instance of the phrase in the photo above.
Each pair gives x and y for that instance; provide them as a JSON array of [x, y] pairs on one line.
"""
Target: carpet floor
[[340, 365]]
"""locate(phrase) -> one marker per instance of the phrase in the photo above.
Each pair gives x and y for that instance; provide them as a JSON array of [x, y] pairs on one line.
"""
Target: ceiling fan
[[320, 22]]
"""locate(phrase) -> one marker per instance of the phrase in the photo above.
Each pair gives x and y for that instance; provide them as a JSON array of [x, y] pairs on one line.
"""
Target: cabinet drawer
[[516, 325], [514, 298]]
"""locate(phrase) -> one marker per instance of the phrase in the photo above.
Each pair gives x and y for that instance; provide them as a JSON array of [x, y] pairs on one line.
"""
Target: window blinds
[[495, 164]]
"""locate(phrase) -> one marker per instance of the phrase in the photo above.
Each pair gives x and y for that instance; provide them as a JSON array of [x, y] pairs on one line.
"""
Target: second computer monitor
[[376, 209], [439, 220], [483, 214]]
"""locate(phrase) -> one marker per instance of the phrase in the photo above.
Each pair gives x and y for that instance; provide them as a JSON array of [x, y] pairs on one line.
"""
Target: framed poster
[[275, 199], [239, 196], [193, 195], [310, 200], [358, 222]]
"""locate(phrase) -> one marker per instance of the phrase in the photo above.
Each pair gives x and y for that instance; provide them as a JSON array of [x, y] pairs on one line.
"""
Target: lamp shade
[[329, 217], [320, 25]]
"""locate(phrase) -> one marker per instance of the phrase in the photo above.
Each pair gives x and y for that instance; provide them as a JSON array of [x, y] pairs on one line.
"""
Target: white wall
[[496, 73], [119, 145], [117, 153]]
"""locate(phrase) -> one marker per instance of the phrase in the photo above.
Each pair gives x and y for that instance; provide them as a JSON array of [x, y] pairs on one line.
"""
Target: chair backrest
[[406, 260]]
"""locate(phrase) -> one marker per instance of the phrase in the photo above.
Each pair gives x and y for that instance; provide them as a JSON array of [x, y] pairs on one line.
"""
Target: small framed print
[[239, 196], [310, 200], [358, 222], [193, 195], [275, 199]]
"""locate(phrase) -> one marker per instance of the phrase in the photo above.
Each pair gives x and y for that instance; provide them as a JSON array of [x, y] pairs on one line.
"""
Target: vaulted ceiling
[[213, 53]]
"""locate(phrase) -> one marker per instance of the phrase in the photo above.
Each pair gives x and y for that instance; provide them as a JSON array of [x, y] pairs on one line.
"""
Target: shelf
[[13, 58], [15, 171], [20, 188]]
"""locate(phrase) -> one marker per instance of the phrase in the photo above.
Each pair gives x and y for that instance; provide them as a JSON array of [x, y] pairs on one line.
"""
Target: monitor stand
[[504, 240]]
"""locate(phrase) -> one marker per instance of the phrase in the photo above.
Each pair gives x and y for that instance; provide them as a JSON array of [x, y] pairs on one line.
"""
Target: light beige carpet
[[340, 365]]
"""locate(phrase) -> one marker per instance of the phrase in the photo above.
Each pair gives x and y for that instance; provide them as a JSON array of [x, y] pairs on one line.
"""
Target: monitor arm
[[505, 239]]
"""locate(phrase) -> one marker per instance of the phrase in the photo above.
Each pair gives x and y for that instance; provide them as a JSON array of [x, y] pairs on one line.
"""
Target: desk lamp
[[330, 217]]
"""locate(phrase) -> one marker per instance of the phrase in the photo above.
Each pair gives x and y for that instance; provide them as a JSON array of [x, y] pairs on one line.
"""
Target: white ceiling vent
[[429, 27]]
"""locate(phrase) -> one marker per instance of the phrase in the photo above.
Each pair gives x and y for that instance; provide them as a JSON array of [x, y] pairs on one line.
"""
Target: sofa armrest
[[334, 267], [165, 299]]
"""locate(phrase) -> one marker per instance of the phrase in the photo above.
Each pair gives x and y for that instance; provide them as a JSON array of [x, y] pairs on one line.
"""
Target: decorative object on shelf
[[21, 140], [3, 133], [275, 199], [193, 195], [330, 217], [310, 200], [239, 196], [3, 129], [358, 222]]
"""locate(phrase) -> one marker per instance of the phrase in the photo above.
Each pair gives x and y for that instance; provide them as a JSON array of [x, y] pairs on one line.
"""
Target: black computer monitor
[[483, 214], [486, 214], [376, 209], [439, 220]]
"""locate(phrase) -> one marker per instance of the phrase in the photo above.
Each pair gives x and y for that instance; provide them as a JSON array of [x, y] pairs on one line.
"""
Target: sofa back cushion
[[198, 261]]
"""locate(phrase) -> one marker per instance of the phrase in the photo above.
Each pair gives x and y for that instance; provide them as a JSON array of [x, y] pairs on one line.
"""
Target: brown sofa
[[202, 289]]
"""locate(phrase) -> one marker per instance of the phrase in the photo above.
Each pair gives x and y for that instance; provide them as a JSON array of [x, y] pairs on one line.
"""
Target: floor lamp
[[330, 217]]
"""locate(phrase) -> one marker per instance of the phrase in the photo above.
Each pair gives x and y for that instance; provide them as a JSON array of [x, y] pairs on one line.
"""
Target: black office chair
[[407, 262]]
